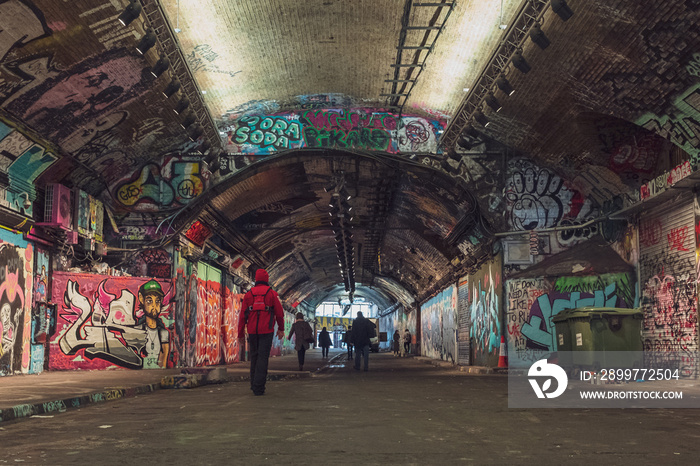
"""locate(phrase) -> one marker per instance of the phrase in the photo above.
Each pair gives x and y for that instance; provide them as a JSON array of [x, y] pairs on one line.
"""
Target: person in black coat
[[362, 332], [324, 341]]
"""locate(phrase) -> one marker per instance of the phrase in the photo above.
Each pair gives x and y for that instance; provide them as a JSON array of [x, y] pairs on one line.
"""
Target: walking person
[[407, 342], [304, 336], [362, 332], [324, 341], [347, 339], [262, 308], [395, 343]]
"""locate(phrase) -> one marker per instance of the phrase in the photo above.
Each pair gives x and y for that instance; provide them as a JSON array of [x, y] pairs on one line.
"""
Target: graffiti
[[127, 327], [682, 125], [650, 233], [664, 181], [676, 238], [485, 331], [152, 262], [229, 328], [15, 324], [348, 129], [537, 198], [198, 233], [209, 315], [532, 303], [202, 58], [575, 235], [153, 187], [268, 132], [363, 129], [23, 161], [71, 98]]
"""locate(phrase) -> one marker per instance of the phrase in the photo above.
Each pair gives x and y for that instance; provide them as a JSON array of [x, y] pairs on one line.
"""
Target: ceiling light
[[195, 132], [344, 194], [172, 87], [493, 102], [182, 105], [562, 9], [205, 146], [329, 187], [538, 36], [188, 120], [160, 67], [130, 13], [520, 63], [470, 131], [504, 85], [481, 118], [147, 41]]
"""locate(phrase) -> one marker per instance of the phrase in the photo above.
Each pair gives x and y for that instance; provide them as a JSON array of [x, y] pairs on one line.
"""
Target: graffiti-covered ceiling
[[447, 122]]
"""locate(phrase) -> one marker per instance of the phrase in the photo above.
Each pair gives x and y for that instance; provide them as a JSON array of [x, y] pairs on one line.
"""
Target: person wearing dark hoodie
[[262, 308], [324, 341]]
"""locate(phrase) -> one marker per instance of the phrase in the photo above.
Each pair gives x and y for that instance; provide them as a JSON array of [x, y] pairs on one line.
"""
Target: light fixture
[[562, 9], [182, 105], [519, 62], [470, 131], [329, 187], [345, 205], [130, 13], [493, 102], [344, 194], [504, 85], [205, 146], [147, 41], [452, 154], [188, 120], [538, 37], [27, 203], [481, 118], [195, 132], [160, 67], [334, 211], [172, 87]]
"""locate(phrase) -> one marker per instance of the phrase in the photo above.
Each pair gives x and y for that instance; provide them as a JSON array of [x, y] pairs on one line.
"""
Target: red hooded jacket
[[260, 323]]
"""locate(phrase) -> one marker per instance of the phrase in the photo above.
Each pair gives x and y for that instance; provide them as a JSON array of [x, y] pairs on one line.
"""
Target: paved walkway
[[22, 396]]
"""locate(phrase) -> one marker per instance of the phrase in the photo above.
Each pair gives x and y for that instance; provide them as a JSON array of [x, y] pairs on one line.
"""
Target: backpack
[[259, 306]]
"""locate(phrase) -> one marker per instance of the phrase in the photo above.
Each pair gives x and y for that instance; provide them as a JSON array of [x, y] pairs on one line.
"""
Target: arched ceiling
[[610, 104]]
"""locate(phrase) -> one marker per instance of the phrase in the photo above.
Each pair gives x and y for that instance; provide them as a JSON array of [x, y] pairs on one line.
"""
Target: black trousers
[[260, 346], [300, 355]]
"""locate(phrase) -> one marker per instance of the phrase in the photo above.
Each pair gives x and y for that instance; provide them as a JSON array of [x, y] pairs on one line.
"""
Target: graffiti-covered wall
[[538, 198], [333, 128], [41, 312], [21, 162], [532, 302], [111, 322], [284, 346], [669, 277], [16, 271], [232, 314], [485, 313], [439, 325], [209, 315], [400, 321], [169, 184]]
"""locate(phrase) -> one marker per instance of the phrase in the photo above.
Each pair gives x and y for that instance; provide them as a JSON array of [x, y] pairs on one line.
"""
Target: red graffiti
[[650, 233], [677, 237]]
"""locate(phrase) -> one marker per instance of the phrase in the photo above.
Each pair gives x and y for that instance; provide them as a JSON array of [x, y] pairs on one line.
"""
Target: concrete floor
[[403, 411]]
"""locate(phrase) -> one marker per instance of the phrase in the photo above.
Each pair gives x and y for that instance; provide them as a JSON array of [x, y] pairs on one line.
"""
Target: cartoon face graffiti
[[157, 347]]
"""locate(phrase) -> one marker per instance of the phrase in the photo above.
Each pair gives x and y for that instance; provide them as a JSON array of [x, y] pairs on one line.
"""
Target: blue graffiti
[[539, 329]]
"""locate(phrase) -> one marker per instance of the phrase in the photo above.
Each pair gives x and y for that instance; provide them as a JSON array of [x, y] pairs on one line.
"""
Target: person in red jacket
[[261, 308]]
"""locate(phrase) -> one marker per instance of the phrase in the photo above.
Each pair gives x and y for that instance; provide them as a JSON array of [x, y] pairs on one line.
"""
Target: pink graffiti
[[677, 237]]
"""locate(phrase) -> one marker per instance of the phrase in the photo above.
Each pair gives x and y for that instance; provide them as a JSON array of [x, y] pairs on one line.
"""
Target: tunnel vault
[[407, 227]]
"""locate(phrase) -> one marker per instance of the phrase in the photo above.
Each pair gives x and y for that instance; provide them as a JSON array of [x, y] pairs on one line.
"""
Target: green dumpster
[[596, 337]]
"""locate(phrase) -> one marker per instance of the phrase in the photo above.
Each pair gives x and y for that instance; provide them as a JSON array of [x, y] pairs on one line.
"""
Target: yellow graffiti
[[333, 322]]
